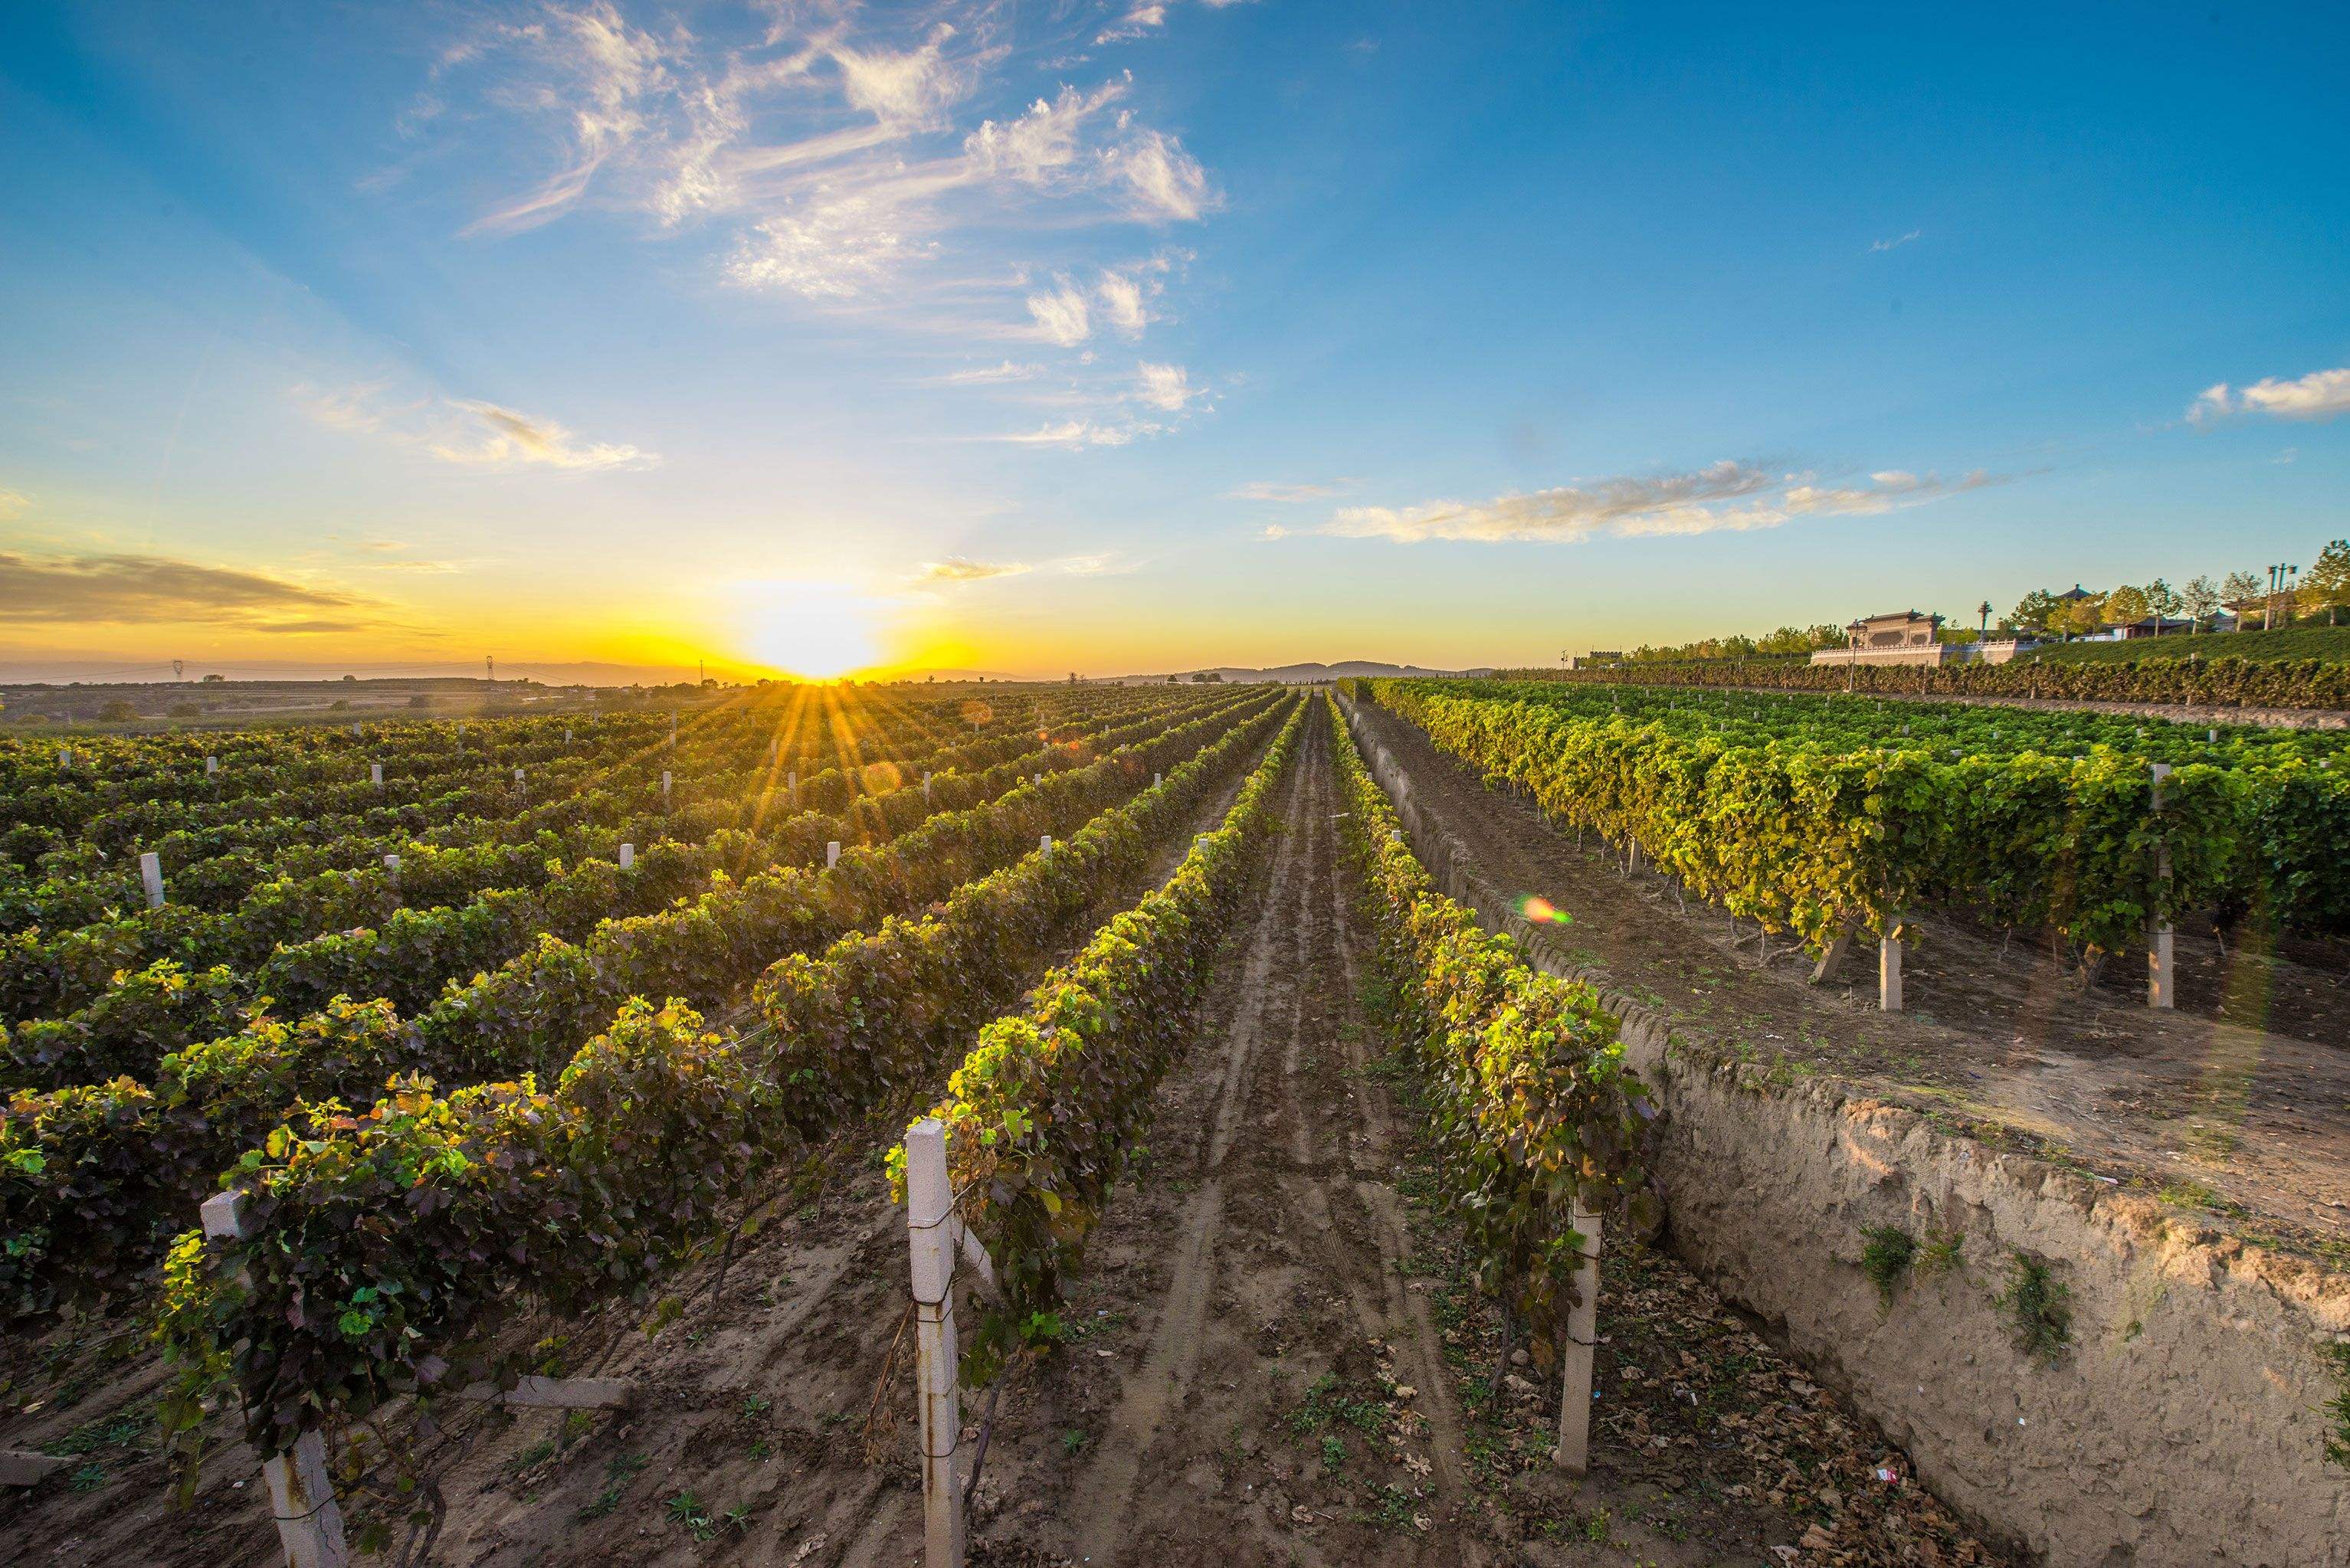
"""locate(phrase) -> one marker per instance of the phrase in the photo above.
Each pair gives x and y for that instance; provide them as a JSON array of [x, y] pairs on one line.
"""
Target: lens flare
[[1533, 907]]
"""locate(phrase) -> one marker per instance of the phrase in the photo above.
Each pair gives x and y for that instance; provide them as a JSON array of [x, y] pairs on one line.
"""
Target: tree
[[2084, 615], [2242, 588], [2199, 598], [119, 712], [1982, 624], [2163, 600], [2126, 605], [2038, 611], [2327, 585]]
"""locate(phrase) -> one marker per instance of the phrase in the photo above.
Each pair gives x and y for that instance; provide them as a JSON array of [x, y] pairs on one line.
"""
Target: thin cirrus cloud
[[1287, 494], [1726, 496], [2320, 395], [958, 569], [1143, 17], [1880, 246], [841, 147], [144, 589], [962, 569], [469, 433], [1167, 388]]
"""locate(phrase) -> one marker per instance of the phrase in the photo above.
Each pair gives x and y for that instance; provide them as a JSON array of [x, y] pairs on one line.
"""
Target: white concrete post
[[391, 867], [1157, 779], [212, 766], [301, 1493], [930, 1211], [150, 872], [517, 775], [1045, 846], [375, 775], [567, 737], [2211, 738], [1576, 1355], [926, 786], [664, 788], [2161, 973], [1889, 967], [831, 854], [628, 856]]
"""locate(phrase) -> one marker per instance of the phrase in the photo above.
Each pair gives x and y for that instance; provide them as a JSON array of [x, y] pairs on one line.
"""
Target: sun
[[816, 631]]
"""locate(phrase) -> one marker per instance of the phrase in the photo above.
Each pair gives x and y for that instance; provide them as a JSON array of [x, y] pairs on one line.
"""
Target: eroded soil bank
[[2098, 1374]]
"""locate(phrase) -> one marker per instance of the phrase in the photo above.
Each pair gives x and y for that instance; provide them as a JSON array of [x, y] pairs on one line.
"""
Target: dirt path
[[2235, 1107]]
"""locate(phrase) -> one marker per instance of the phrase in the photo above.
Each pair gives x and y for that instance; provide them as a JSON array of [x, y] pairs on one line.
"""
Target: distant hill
[[1296, 674]]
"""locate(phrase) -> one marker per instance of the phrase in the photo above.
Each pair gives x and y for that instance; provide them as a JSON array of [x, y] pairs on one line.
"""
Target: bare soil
[[1273, 1356], [2235, 1108]]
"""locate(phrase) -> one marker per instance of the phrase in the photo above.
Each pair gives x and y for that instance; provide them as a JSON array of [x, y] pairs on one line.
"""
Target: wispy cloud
[[1895, 244], [473, 434], [984, 375], [13, 505], [1729, 496], [1073, 435], [1142, 18], [840, 147], [513, 439], [126, 589], [960, 570], [1062, 317], [1164, 387], [2320, 395], [1288, 494]]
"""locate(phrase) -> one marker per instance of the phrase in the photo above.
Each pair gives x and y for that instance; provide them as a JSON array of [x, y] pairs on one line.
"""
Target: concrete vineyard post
[[1574, 1357], [1157, 779], [2161, 975], [567, 737], [831, 854], [391, 867], [212, 766], [375, 775], [150, 874], [628, 856], [930, 1213], [665, 780], [301, 1493], [926, 786], [1045, 846], [1889, 967]]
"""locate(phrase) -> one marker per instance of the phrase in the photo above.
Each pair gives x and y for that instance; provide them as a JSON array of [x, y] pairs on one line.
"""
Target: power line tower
[[490, 667], [178, 670]]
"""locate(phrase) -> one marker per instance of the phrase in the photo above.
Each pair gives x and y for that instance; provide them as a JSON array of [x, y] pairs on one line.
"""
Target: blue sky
[[1128, 337]]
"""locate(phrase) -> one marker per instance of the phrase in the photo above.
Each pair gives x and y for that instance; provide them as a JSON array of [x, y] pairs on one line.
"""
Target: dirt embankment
[[2100, 1374]]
